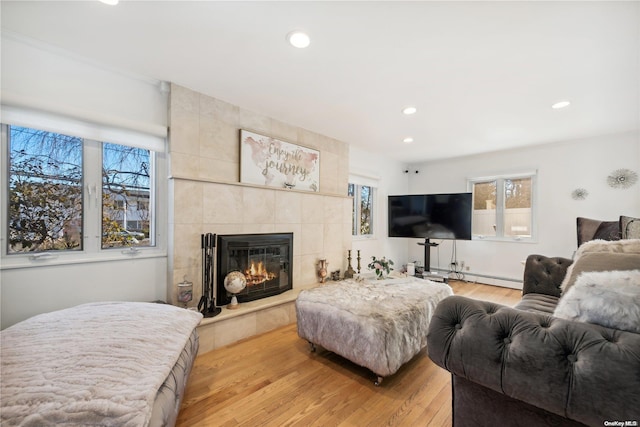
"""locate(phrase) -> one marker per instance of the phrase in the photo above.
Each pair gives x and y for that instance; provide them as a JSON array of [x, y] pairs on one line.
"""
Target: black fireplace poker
[[207, 303]]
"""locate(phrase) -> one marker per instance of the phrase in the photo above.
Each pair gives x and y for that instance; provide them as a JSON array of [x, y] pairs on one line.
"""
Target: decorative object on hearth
[[335, 275], [275, 163], [322, 270], [381, 266], [622, 178], [579, 194], [350, 272], [185, 292], [359, 261], [234, 283]]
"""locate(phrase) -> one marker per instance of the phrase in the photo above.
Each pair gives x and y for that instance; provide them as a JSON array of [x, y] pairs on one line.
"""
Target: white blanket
[[378, 324], [95, 364]]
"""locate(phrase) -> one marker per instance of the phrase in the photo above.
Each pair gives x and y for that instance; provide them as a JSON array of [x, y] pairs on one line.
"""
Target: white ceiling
[[482, 74]]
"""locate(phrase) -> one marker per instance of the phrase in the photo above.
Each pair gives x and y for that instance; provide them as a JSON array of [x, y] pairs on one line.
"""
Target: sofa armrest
[[576, 370], [544, 275]]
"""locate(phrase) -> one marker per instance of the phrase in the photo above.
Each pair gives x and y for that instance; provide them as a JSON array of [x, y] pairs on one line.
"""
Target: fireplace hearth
[[266, 260]]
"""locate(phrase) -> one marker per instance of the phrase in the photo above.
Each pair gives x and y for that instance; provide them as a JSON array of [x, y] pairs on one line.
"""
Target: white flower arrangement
[[381, 266]]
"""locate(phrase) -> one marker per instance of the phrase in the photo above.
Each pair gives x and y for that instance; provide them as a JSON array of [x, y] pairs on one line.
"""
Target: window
[[362, 224], [45, 191], [503, 207], [68, 194], [126, 188]]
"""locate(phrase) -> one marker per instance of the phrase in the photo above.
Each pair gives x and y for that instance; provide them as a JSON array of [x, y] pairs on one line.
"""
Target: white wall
[[562, 167], [391, 180], [30, 291]]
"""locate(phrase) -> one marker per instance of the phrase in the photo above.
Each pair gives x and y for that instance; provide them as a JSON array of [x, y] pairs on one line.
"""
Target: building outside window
[[504, 207], [363, 208], [62, 186]]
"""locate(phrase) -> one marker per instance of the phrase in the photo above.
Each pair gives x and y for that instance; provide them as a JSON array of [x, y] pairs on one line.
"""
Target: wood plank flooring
[[274, 380]]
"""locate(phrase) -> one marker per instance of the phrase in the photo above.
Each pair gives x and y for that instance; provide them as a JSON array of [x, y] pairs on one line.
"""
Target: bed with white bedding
[[100, 364], [378, 324]]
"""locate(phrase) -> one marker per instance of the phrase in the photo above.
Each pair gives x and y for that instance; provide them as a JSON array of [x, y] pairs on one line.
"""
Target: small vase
[[322, 270]]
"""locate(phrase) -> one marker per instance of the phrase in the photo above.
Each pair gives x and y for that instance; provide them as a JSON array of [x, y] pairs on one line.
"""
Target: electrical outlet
[[467, 268]]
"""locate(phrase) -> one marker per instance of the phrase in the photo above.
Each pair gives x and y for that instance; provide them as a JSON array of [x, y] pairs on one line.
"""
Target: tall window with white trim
[[363, 208], [503, 207]]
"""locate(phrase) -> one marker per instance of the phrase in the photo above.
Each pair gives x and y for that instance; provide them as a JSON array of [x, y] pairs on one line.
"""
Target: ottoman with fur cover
[[378, 324]]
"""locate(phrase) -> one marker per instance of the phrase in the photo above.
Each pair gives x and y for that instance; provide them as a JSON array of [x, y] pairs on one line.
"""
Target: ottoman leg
[[378, 381], [313, 347]]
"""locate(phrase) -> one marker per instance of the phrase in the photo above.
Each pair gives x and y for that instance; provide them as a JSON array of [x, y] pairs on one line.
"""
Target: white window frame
[[500, 205], [92, 179], [359, 180]]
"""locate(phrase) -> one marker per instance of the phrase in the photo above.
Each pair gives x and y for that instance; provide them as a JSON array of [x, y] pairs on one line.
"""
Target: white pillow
[[606, 298]]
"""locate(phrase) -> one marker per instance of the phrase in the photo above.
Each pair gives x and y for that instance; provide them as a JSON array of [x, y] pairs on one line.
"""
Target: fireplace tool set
[[207, 304]]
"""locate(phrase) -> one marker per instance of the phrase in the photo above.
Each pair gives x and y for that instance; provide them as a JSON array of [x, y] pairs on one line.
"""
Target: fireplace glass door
[[264, 259]]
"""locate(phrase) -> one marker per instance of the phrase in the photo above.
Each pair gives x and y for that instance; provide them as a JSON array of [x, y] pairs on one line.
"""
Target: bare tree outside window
[[68, 193], [366, 205], [126, 191], [362, 224], [45, 191]]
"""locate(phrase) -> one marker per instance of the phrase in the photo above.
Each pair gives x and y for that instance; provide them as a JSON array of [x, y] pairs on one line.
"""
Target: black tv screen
[[431, 216]]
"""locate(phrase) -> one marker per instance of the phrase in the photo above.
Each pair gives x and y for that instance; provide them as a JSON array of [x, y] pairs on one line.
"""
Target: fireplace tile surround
[[206, 197]]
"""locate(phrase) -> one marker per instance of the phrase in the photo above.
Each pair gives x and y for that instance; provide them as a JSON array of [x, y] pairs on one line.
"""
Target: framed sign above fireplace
[[275, 163]]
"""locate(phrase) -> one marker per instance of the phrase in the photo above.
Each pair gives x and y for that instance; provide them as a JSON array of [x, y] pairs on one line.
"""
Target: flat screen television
[[431, 216]]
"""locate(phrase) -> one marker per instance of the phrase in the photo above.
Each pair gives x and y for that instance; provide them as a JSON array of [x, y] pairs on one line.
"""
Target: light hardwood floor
[[274, 380]]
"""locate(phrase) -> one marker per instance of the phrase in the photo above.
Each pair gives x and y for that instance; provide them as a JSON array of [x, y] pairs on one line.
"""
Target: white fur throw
[[618, 246], [606, 298], [97, 364], [378, 324]]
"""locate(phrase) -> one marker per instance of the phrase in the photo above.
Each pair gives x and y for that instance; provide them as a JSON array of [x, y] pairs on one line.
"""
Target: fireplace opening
[[266, 260]]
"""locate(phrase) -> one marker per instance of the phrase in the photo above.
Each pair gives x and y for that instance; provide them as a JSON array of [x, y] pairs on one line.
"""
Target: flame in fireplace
[[257, 274]]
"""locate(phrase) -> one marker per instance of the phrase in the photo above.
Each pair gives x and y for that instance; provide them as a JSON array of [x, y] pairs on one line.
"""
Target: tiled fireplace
[[266, 260]]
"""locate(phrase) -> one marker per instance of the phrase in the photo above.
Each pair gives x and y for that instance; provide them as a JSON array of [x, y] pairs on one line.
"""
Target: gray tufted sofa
[[523, 367]]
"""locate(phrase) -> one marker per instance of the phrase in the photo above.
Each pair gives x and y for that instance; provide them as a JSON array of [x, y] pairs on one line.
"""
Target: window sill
[[27, 261], [363, 238]]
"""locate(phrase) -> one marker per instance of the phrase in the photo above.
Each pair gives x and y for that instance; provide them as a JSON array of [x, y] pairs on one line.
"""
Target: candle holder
[[349, 273], [358, 261]]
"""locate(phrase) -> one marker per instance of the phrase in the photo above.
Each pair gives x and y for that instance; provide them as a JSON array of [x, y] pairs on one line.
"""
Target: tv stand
[[427, 253]]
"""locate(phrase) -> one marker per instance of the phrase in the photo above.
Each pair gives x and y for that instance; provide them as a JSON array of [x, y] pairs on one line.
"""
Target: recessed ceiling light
[[560, 104], [408, 140], [110, 2], [409, 110], [298, 39]]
